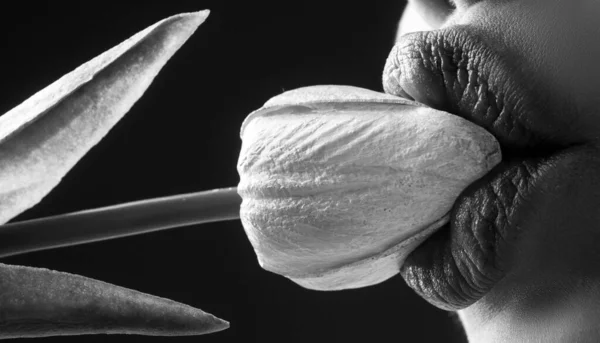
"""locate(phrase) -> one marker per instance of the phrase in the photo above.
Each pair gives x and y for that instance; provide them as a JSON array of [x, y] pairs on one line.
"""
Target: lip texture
[[464, 72]]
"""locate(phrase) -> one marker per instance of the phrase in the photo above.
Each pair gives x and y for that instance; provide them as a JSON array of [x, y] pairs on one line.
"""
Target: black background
[[182, 136]]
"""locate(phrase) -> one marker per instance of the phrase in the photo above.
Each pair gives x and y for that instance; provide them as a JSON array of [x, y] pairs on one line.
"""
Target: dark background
[[182, 136]]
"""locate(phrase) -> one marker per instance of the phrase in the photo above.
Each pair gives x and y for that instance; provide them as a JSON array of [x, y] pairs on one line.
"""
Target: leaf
[[37, 302], [40, 141], [45, 136]]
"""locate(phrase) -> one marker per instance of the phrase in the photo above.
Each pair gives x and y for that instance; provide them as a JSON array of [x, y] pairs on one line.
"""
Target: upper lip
[[458, 70]]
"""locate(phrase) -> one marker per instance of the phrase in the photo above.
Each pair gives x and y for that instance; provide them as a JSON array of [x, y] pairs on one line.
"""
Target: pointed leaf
[[36, 302], [45, 136]]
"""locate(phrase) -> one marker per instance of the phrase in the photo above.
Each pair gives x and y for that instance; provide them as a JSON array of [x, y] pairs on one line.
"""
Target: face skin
[[520, 259]]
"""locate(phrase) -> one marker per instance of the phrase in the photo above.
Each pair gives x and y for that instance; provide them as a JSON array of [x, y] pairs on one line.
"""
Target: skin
[[520, 259]]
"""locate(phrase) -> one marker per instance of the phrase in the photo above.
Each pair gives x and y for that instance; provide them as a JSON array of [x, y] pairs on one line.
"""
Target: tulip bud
[[339, 184]]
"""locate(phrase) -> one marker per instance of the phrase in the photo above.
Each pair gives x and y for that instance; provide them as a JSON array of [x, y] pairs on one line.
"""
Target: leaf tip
[[220, 324], [198, 322], [194, 18]]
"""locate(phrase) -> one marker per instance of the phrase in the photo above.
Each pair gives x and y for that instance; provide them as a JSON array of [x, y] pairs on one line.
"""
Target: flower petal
[[45, 136]]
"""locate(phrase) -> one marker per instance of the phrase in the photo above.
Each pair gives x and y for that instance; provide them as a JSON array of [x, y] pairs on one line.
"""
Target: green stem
[[117, 221]]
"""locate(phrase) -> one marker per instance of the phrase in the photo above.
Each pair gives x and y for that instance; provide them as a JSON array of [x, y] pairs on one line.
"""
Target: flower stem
[[119, 221]]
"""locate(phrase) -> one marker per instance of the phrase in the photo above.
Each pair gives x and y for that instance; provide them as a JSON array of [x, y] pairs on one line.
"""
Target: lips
[[467, 73]]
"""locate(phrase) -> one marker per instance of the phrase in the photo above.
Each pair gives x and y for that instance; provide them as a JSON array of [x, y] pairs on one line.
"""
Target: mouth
[[463, 71]]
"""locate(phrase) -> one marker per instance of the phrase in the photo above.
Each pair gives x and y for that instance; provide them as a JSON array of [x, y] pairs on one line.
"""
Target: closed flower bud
[[339, 184]]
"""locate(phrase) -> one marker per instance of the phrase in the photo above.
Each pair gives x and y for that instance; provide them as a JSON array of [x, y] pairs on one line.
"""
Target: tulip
[[339, 184]]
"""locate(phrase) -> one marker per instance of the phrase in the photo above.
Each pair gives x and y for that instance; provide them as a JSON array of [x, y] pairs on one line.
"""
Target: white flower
[[340, 183]]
